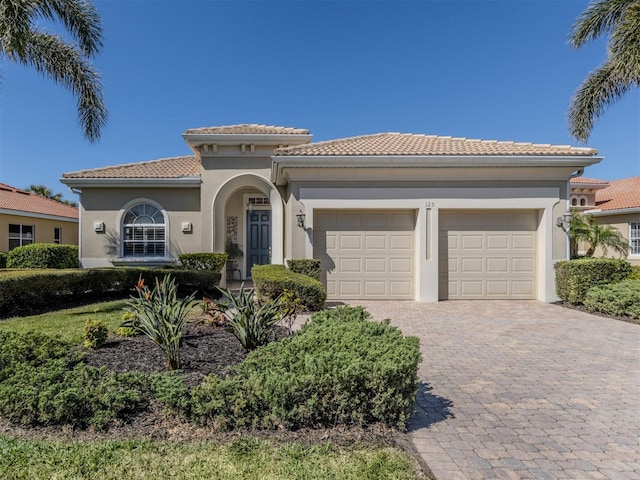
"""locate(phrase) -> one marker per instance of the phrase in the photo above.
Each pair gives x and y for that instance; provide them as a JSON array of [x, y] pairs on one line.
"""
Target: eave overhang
[[44, 216], [618, 211], [196, 140], [181, 182], [280, 164]]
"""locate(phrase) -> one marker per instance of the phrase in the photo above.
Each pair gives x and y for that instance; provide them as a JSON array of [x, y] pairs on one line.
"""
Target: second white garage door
[[489, 254], [366, 254]]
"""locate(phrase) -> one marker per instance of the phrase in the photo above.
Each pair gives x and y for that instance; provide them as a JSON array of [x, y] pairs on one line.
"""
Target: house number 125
[[430, 204]]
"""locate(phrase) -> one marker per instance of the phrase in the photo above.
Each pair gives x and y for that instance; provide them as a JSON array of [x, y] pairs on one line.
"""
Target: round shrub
[[95, 333], [272, 280], [43, 255], [620, 299]]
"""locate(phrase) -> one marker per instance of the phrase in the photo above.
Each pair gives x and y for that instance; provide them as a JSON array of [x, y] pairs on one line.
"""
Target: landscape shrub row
[[574, 278], [620, 299], [339, 368], [43, 255], [306, 266], [24, 292], [271, 281]]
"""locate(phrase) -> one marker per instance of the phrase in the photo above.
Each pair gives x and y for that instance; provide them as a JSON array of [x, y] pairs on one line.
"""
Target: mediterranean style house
[[28, 218], [615, 203], [390, 215]]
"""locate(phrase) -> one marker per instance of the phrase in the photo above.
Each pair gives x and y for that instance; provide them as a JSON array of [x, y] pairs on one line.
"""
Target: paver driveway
[[523, 389]]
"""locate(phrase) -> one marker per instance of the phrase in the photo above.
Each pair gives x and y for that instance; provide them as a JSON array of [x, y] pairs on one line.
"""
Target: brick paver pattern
[[523, 389]]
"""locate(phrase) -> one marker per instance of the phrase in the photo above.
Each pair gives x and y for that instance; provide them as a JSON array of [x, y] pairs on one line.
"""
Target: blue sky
[[496, 70]]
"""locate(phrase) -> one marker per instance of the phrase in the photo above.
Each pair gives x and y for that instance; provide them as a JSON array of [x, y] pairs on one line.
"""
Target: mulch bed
[[206, 349]]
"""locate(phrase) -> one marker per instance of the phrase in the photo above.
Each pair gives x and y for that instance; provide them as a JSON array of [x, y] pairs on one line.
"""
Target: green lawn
[[68, 323], [245, 458]]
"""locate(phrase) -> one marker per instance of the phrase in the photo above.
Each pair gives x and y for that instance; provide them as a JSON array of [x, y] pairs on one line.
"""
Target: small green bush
[[306, 266], [271, 281], [574, 278], [333, 371], [620, 299], [635, 273], [203, 261], [3, 259], [43, 255], [95, 333], [33, 349]]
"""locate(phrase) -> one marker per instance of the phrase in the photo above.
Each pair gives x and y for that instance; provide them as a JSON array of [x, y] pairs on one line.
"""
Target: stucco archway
[[243, 181]]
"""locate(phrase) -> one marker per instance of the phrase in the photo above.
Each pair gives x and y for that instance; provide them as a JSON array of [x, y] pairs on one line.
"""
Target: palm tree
[[65, 62], [621, 70], [585, 228], [46, 192]]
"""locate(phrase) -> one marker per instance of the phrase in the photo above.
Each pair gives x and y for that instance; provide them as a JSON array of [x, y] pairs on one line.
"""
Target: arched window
[[574, 202], [583, 201], [144, 232]]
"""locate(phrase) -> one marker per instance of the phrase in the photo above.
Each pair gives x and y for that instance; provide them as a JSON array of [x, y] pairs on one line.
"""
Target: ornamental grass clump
[[160, 315]]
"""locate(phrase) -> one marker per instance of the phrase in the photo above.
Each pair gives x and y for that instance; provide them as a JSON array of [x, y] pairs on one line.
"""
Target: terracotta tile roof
[[587, 181], [619, 194], [175, 167], [12, 198], [413, 144], [248, 128]]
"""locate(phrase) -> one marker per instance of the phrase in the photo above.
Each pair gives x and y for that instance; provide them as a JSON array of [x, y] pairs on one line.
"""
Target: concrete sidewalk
[[523, 389]]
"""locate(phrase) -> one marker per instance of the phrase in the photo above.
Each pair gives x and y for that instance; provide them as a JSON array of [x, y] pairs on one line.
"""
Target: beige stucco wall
[[44, 229], [622, 224], [107, 205]]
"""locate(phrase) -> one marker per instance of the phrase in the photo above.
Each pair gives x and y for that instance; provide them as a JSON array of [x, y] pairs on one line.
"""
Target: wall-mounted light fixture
[[187, 227], [301, 216], [564, 222], [98, 227]]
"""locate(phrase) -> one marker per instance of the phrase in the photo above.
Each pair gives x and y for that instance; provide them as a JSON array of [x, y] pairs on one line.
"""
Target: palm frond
[[64, 63], [600, 17], [601, 88]]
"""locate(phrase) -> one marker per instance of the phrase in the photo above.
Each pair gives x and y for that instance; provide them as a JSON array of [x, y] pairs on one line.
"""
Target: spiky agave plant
[[160, 315], [251, 320]]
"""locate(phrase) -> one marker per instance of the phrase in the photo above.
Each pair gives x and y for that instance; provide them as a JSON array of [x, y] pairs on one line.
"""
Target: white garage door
[[488, 254], [366, 254]]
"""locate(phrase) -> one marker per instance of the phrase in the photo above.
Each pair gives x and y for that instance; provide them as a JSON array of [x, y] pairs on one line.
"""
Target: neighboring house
[[29, 218], [391, 216], [615, 203]]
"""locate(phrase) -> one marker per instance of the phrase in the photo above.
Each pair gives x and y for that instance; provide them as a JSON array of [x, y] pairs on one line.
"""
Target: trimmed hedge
[[635, 273], [43, 255], [333, 371], [620, 299], [25, 292], [203, 261], [3, 259], [272, 280], [306, 266], [574, 278]]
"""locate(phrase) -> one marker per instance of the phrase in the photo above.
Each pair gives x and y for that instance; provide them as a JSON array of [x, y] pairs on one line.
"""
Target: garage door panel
[[366, 254], [376, 242], [487, 254]]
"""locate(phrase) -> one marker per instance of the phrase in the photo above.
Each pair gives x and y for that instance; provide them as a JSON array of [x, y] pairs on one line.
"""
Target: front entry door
[[258, 238]]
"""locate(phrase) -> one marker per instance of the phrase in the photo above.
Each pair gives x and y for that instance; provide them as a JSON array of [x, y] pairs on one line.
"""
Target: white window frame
[[145, 226], [634, 235], [21, 236]]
